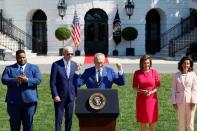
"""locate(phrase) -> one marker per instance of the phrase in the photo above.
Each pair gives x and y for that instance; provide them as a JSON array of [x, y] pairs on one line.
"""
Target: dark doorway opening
[[152, 32], [96, 32], [39, 32]]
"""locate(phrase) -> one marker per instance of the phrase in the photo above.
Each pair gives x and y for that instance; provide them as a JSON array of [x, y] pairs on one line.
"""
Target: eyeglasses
[[98, 63], [69, 54]]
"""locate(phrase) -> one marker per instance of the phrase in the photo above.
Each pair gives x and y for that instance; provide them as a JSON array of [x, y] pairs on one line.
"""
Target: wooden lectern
[[97, 120]]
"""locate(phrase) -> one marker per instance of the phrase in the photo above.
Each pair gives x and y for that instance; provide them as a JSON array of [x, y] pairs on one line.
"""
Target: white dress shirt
[[67, 67]]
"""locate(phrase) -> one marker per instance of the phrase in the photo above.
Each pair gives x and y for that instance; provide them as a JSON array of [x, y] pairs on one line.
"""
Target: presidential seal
[[97, 101]]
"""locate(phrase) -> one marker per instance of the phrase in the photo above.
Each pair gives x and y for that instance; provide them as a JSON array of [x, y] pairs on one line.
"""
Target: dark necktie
[[99, 76]]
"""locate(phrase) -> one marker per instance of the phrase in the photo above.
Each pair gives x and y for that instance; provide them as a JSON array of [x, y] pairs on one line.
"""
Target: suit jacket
[[108, 78], [60, 84], [184, 90], [21, 92]]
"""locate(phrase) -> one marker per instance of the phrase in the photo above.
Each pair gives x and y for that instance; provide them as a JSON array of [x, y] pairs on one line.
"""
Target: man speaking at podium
[[100, 76]]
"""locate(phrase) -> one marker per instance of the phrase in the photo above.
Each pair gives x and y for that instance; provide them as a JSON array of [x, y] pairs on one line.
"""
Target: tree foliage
[[129, 33], [62, 33]]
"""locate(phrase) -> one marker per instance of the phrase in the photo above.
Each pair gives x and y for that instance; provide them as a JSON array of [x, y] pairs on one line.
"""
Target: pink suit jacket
[[184, 91]]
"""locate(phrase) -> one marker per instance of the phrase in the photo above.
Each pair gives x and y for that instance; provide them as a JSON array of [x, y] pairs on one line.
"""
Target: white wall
[[170, 11], [1, 4], [192, 4]]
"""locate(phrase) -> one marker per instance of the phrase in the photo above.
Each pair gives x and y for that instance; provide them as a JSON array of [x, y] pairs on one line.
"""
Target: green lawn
[[44, 118]]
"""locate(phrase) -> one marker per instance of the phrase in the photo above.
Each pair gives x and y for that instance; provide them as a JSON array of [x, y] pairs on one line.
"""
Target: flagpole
[[75, 34], [117, 9], [116, 30], [74, 14]]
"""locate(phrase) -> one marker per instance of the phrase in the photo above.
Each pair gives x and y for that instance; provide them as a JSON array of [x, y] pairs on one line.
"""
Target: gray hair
[[98, 55], [67, 48]]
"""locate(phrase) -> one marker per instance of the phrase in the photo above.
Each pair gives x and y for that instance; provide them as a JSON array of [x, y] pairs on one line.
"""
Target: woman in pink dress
[[146, 82]]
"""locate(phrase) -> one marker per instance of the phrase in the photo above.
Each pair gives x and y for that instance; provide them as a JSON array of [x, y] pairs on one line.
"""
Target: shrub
[[62, 33], [129, 33]]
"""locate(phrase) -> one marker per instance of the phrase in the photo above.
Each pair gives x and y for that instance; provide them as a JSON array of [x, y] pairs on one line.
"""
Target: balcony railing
[[180, 36], [23, 39]]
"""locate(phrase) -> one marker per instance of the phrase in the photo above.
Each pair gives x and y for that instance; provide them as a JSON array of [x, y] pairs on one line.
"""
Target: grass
[[44, 118]]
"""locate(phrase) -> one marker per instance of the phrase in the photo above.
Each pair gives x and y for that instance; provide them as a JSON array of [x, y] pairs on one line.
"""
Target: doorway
[[152, 32], [39, 32], [96, 32]]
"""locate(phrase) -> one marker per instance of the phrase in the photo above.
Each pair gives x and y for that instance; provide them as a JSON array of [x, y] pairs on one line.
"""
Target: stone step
[[9, 54]]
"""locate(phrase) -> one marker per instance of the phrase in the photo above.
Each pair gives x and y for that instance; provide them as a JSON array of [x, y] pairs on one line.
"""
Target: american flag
[[76, 30]]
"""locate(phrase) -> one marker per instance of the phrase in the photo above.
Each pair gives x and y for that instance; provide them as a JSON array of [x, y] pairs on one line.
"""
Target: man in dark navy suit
[[21, 79], [100, 76], [63, 89]]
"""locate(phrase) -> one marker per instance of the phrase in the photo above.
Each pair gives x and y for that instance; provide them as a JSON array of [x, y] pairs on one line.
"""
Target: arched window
[[152, 32], [96, 32], [39, 31]]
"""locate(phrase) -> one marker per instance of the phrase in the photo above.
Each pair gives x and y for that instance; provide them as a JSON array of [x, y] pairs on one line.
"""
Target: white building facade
[[40, 19]]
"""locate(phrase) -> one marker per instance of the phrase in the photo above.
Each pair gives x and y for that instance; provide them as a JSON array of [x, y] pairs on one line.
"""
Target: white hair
[[99, 55], [67, 48]]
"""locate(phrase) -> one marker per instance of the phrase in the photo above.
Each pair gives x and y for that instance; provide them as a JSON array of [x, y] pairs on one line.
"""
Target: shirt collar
[[23, 66], [99, 70], [66, 62]]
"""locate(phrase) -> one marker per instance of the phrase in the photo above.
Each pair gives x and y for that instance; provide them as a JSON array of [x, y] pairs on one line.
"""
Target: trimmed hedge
[[129, 33], [62, 33]]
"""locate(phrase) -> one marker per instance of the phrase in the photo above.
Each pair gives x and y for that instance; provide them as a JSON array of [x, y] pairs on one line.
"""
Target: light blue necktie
[[67, 70], [21, 70]]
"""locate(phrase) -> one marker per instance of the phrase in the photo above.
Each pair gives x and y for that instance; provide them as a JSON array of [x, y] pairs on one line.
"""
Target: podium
[[97, 120]]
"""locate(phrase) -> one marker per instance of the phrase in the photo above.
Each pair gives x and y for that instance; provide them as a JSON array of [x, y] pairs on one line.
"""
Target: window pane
[[101, 31], [90, 32]]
